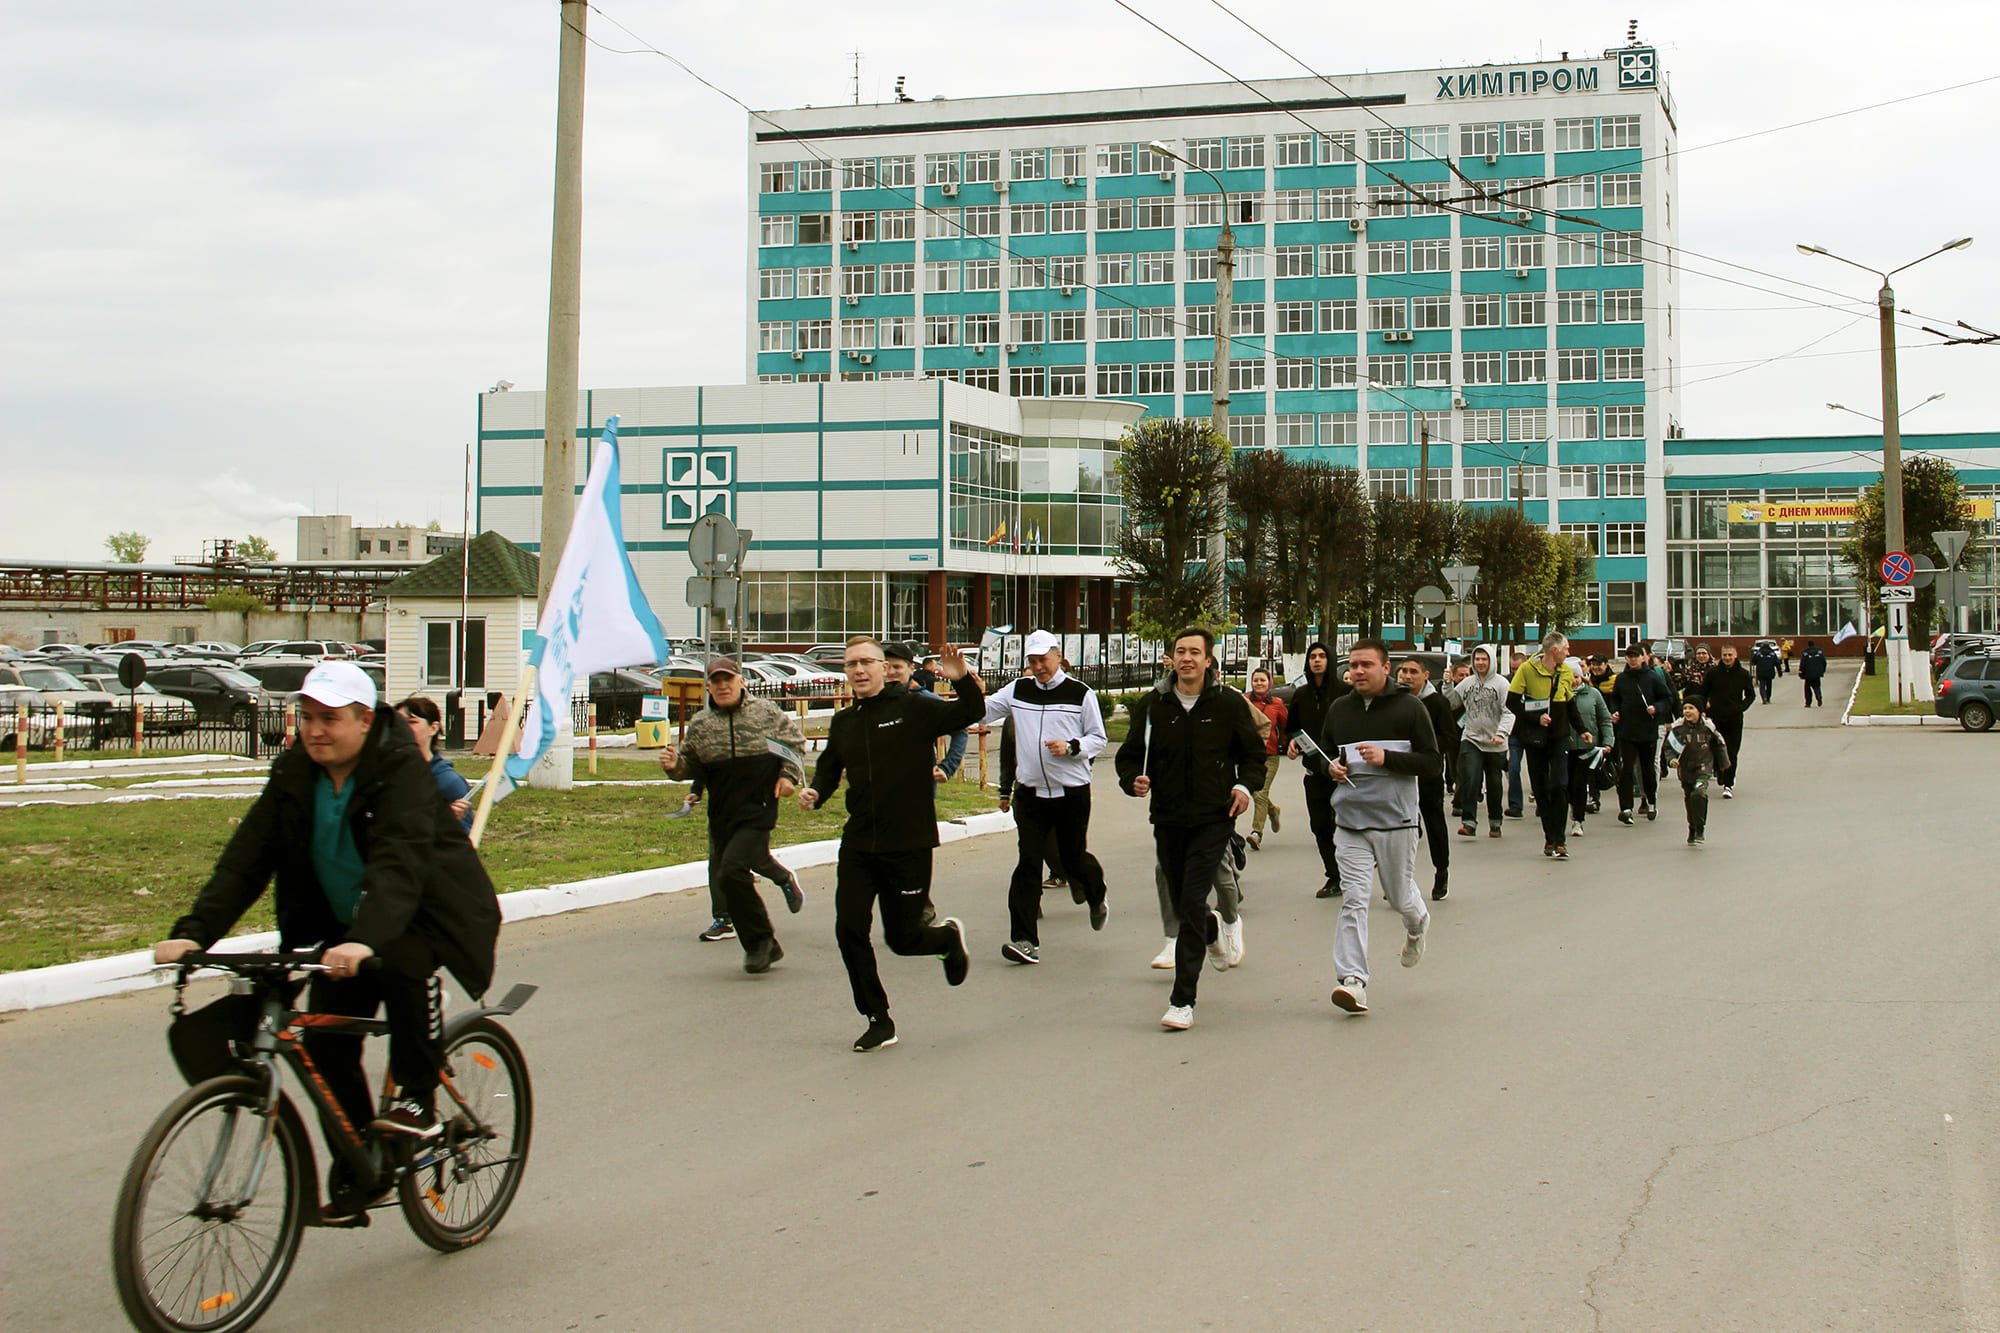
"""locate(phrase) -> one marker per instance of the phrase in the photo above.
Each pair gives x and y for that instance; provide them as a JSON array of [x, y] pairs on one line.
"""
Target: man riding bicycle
[[369, 862]]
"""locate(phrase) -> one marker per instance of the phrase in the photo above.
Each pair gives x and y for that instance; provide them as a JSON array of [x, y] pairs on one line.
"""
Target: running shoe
[[881, 1032], [1276, 824], [722, 928], [1178, 1018], [1164, 959], [1351, 995], [1021, 951], [1562, 851], [1413, 947], [1232, 942], [1468, 830], [957, 961], [795, 897], [1218, 953]]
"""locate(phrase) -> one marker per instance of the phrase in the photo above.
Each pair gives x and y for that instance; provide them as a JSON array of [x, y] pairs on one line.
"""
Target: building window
[[1066, 270], [1295, 150], [1295, 317], [1391, 371], [941, 275], [1481, 140], [1246, 375], [1576, 249], [1624, 539], [1339, 316], [1336, 203], [1027, 381], [1430, 256], [1386, 483], [1479, 252], [775, 178], [983, 166], [1586, 535], [1338, 372], [1338, 428], [1027, 164], [982, 330], [1576, 365], [1624, 479], [777, 229], [857, 280], [774, 335], [1067, 382], [1576, 482], [1336, 261], [1027, 219], [1431, 368], [1482, 310], [982, 275], [1391, 312], [815, 229], [1528, 366], [1524, 251], [1246, 319], [1576, 192], [1292, 430], [1246, 152], [1525, 424], [982, 377], [1336, 147], [1156, 377], [1485, 483], [1027, 273], [1620, 132], [1619, 190], [1624, 363], [1066, 161], [1198, 321], [1482, 426], [1625, 422], [1154, 321], [857, 335], [1624, 305], [1028, 326], [774, 284], [1576, 135], [1114, 325], [1246, 432], [1482, 368], [1388, 257], [1067, 326], [1430, 312], [1388, 201], [898, 279], [1576, 307], [1527, 309], [816, 281], [1204, 210], [1114, 159], [897, 331], [1114, 381], [1156, 266], [1385, 145], [1293, 261], [1114, 270], [941, 168], [1067, 216], [1523, 136], [942, 224], [815, 335], [1200, 376], [1625, 603], [1389, 427], [1620, 247]]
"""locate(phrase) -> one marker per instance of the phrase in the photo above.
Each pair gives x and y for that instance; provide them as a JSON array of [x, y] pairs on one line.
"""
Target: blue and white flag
[[596, 619], [1845, 632]]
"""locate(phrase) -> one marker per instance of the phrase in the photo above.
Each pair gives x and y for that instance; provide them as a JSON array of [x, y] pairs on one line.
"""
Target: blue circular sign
[[1896, 568]]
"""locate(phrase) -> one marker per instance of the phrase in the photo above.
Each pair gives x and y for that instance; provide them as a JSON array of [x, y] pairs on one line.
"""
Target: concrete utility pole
[[1903, 684], [1218, 389], [565, 331]]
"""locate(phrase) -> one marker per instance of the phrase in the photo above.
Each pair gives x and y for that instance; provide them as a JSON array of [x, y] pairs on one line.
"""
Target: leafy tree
[[127, 548], [1566, 585], [254, 547], [236, 600], [1169, 470], [1514, 573], [1412, 542], [1933, 501], [1261, 482], [1331, 526]]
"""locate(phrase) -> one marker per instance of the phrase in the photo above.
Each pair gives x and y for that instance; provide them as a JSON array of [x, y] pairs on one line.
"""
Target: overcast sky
[[260, 261]]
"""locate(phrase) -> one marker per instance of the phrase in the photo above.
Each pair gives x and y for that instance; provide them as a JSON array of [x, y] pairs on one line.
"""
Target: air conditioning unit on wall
[[948, 191]]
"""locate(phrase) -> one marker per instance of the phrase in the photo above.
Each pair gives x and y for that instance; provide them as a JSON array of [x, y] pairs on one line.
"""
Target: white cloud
[[239, 499]]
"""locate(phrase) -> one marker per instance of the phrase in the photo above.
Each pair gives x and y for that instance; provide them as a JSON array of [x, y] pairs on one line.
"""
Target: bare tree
[[1169, 470]]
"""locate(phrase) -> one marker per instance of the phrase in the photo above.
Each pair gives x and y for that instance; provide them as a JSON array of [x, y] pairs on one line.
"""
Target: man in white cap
[[370, 862], [1058, 731]]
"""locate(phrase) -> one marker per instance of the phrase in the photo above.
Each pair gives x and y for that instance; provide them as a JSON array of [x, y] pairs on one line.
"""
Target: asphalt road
[[1747, 1086]]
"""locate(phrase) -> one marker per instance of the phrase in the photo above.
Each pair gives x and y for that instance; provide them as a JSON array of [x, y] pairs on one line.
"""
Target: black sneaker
[[1077, 895], [957, 962], [1440, 885], [1238, 845], [1625, 818], [881, 1032], [760, 960], [1100, 912], [1651, 814], [1330, 889], [1562, 851], [795, 897], [1021, 951], [1515, 814], [410, 1118], [722, 928]]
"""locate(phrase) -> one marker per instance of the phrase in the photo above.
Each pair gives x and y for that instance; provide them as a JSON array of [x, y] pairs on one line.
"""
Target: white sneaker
[[1575, 827], [1178, 1018], [1165, 958], [1232, 942], [1413, 948], [1351, 996], [1218, 952], [1729, 793]]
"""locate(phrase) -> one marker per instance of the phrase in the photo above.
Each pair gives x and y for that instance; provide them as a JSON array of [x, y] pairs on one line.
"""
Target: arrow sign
[[1950, 544], [1897, 567]]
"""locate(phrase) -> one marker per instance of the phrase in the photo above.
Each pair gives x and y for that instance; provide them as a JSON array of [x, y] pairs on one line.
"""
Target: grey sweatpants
[[1225, 895], [1363, 854]]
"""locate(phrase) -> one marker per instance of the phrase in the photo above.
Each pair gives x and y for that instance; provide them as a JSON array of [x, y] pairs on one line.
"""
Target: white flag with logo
[[596, 619]]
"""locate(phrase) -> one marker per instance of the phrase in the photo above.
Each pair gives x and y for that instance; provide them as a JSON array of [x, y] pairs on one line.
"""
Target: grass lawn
[[1872, 699], [80, 882]]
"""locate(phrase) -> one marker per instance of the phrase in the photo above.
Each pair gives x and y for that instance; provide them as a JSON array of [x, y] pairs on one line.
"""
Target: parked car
[[319, 650], [165, 714], [793, 678], [260, 647], [1970, 690], [278, 675], [77, 664], [54, 684], [826, 654], [57, 649], [40, 733], [215, 648], [1946, 647], [219, 693], [617, 695]]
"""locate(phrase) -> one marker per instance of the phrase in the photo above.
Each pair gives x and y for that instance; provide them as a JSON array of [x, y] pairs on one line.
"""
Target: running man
[[1482, 746], [1305, 715], [1415, 677], [1542, 696], [1058, 732], [885, 746]]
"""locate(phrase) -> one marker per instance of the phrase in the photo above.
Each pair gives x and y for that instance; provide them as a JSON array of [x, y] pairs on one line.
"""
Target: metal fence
[[47, 728]]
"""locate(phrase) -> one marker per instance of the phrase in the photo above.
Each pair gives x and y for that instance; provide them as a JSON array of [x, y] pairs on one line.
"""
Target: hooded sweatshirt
[[1307, 710], [1486, 723], [1384, 797]]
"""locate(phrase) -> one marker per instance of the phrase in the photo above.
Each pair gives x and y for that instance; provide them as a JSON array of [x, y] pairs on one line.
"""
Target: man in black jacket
[[1729, 689], [1415, 677], [1641, 703], [1194, 750], [885, 745], [1305, 713], [1380, 746], [368, 860]]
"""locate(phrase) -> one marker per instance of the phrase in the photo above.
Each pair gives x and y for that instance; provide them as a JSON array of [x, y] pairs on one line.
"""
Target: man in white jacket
[[1482, 748], [1058, 731]]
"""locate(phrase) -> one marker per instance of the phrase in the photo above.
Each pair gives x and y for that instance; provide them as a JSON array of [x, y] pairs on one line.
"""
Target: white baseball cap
[[337, 684], [1041, 641]]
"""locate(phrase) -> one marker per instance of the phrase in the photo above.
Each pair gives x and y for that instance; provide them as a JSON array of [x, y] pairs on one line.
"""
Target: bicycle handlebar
[[303, 960]]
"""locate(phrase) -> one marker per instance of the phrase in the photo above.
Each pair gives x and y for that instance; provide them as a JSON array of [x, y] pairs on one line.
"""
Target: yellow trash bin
[[650, 732]]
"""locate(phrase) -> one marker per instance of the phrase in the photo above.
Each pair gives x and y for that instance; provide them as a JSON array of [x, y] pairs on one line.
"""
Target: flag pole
[[508, 734]]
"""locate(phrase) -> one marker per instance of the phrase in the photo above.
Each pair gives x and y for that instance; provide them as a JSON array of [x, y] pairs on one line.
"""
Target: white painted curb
[[40, 988]]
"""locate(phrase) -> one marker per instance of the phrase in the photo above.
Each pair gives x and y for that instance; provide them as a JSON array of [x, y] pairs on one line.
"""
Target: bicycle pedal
[[328, 1219]]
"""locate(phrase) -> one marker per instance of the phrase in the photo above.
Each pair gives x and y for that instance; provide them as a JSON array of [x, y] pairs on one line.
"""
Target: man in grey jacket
[[1482, 745]]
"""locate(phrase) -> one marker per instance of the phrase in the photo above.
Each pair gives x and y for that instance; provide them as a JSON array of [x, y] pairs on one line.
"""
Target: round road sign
[[1897, 567]]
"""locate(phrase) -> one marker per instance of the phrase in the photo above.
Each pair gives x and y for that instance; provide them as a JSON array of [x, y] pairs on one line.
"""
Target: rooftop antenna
[[902, 96], [1632, 32], [856, 56]]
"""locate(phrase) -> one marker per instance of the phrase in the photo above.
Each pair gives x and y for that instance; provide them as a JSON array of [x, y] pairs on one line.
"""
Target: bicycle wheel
[[207, 1223], [462, 1184]]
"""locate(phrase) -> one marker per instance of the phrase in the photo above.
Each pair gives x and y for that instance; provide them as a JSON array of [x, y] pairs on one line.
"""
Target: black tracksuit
[[1306, 712], [1430, 790], [1638, 732], [1730, 690], [1195, 757], [425, 900], [885, 745]]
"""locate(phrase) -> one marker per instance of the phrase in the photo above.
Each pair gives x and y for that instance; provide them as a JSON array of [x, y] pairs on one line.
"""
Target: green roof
[[497, 568]]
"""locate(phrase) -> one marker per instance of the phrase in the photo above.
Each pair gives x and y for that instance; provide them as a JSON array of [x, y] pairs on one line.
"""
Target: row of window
[[1333, 204], [1571, 134]]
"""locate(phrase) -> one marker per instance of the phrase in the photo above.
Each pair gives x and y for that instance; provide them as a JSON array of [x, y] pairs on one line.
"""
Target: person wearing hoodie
[[1379, 746], [1305, 715], [1588, 747], [885, 746], [746, 752], [1484, 728], [1812, 671], [1694, 749], [1194, 753], [1641, 703], [1415, 677], [1060, 730], [1729, 691], [1542, 697]]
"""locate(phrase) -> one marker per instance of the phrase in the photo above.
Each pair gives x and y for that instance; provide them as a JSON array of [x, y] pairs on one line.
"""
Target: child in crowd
[[1697, 751]]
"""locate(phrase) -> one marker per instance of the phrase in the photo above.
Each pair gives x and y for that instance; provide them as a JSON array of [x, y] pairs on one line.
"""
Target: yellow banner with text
[[1829, 511]]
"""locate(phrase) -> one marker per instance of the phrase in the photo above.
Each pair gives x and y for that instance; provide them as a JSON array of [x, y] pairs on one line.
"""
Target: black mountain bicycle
[[222, 1186]]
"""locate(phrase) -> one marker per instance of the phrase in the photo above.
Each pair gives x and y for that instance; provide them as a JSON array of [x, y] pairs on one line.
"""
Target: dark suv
[[1969, 690], [219, 693]]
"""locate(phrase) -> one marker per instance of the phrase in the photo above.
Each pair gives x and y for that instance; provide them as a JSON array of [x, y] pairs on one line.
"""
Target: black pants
[[1548, 778], [1319, 813], [1430, 803], [412, 1006], [734, 855], [1731, 728], [1477, 767], [1813, 695], [902, 882], [1695, 794], [1582, 782], [1036, 818], [1635, 761], [1189, 856]]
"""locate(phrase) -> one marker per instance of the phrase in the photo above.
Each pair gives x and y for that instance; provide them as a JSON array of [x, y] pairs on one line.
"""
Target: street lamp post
[[1218, 419], [1892, 443]]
